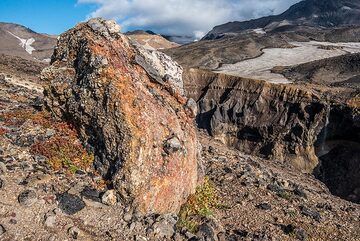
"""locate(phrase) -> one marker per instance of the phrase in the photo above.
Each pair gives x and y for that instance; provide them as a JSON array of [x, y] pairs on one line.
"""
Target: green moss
[[285, 194], [199, 205]]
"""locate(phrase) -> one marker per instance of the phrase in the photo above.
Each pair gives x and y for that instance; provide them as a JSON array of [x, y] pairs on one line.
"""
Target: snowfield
[[25, 43], [260, 67], [259, 31]]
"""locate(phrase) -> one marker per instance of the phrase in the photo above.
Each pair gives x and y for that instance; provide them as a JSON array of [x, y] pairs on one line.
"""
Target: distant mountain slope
[[316, 13], [151, 40], [212, 54], [17, 40]]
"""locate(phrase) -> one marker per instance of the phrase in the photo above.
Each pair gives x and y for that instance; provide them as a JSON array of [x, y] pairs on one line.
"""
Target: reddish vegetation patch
[[19, 117], [64, 150], [3, 131]]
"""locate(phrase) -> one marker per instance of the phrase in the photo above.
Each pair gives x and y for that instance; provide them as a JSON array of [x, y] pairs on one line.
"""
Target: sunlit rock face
[[127, 104]]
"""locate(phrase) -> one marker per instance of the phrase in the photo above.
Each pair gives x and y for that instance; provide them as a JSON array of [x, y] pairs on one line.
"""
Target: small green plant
[[285, 194], [292, 213], [199, 205]]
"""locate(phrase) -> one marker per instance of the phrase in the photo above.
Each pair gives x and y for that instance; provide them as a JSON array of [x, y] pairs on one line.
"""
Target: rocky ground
[[267, 200], [45, 196]]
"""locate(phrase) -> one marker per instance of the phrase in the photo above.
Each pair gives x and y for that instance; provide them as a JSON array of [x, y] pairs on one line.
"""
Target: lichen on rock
[[127, 104]]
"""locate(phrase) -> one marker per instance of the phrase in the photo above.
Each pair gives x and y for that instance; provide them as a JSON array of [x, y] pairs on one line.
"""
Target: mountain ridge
[[323, 14]]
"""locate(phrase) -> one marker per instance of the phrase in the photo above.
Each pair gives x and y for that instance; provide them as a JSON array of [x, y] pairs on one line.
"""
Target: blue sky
[[45, 16], [175, 17]]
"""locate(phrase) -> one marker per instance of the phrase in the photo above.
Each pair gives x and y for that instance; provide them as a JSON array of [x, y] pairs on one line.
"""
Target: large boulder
[[127, 104]]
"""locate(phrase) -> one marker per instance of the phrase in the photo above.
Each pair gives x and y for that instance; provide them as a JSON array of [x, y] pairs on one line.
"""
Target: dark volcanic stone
[[2, 183], [38, 103], [241, 233], [209, 230], [310, 213], [288, 229], [301, 234], [2, 230], [70, 204], [300, 192], [325, 206], [274, 188], [91, 194], [27, 198], [13, 221], [292, 230], [264, 206]]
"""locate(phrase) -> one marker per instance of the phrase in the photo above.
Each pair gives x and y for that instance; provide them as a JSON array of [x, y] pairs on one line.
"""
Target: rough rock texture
[[129, 110], [274, 121], [161, 68]]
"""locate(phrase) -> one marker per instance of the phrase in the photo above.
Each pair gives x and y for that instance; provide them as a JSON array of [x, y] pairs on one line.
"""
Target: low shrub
[[64, 150], [199, 205]]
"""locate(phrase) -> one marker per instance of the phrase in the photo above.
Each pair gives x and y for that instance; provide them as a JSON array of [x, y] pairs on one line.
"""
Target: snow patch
[[259, 31], [284, 23], [25, 43], [346, 8]]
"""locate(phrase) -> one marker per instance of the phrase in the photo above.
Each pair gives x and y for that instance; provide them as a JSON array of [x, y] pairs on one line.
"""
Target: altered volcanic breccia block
[[127, 104]]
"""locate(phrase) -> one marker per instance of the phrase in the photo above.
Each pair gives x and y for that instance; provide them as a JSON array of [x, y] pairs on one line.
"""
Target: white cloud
[[183, 17]]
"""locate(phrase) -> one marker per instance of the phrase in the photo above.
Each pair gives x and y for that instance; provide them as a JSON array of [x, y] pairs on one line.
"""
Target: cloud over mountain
[[183, 17]]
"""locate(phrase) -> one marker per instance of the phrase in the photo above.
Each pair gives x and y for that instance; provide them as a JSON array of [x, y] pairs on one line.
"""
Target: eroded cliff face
[[127, 104], [269, 120]]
